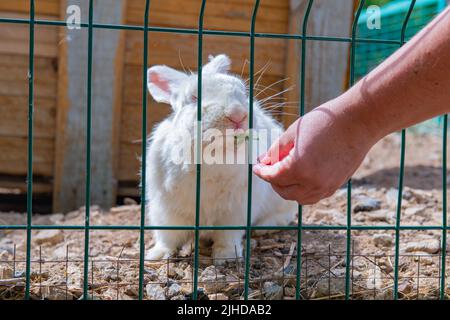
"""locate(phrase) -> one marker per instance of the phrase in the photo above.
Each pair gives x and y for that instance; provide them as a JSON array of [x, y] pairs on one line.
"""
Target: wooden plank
[[43, 75], [14, 60], [14, 40], [71, 128], [326, 62], [155, 4], [13, 156], [21, 47], [45, 7], [17, 88], [129, 156], [14, 117], [215, 14], [42, 33], [128, 191], [178, 19], [119, 66], [62, 115], [167, 49], [19, 187]]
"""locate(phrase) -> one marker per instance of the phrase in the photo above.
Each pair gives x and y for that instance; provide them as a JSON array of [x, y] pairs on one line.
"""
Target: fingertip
[[256, 169], [266, 160], [268, 172], [261, 157]]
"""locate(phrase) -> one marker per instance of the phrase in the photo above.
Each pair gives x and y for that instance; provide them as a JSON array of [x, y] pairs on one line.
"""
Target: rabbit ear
[[163, 81], [218, 64]]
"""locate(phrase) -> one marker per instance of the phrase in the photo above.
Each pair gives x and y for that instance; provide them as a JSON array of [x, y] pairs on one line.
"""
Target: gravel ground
[[57, 255]]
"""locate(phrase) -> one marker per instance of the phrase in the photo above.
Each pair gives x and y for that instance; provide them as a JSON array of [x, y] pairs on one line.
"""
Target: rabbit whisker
[[273, 84]]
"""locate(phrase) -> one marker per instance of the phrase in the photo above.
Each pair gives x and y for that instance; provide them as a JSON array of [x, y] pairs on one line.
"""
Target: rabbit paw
[[186, 249], [158, 252]]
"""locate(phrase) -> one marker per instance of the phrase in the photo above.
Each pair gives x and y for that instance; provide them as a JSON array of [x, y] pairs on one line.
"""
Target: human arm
[[321, 150]]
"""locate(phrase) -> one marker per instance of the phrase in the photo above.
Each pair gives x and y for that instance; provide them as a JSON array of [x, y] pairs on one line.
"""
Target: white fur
[[171, 189]]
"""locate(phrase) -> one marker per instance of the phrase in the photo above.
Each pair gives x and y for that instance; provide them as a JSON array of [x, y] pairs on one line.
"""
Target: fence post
[[70, 150], [327, 67]]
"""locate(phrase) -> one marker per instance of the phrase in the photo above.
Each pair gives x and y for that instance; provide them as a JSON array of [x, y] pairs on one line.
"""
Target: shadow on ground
[[417, 177]]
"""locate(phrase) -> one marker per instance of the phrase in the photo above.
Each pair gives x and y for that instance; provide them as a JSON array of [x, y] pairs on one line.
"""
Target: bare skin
[[320, 151]]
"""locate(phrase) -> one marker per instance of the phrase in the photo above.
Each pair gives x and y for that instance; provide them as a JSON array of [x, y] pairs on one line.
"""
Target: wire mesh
[[299, 276]]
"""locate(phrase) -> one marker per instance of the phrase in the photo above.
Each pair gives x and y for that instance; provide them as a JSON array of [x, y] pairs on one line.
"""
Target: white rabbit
[[171, 186]]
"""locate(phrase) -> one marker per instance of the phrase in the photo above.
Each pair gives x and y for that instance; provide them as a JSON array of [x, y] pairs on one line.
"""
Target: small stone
[[421, 196], [60, 252], [55, 293], [170, 271], [176, 273], [272, 291], [329, 288], [4, 255], [364, 203], [174, 290], [379, 215], [56, 218], [374, 279], [129, 201], [415, 211], [405, 288], [130, 254], [217, 296], [382, 240], [50, 237], [391, 197], [329, 216], [428, 246], [155, 292], [6, 272], [212, 280], [201, 295], [253, 244], [407, 194], [151, 274], [131, 292], [72, 215], [426, 260]]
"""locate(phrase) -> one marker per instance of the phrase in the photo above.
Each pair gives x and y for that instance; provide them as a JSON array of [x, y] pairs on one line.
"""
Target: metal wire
[[302, 112], [198, 147], [88, 153], [248, 229], [144, 153], [30, 148], [444, 209], [200, 32], [402, 173], [322, 261], [280, 228], [349, 184]]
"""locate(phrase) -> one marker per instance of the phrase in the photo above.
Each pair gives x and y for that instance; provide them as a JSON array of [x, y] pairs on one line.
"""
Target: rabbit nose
[[237, 116]]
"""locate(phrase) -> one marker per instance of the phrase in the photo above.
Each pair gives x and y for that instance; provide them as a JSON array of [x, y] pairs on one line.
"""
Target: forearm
[[411, 86]]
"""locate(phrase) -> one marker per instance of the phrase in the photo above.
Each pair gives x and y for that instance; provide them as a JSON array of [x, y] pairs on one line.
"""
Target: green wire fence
[[147, 30]]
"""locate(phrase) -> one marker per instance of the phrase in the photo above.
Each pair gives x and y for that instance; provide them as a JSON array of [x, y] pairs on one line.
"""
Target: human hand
[[316, 155]]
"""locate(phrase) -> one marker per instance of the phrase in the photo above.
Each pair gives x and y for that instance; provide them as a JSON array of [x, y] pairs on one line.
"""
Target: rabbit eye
[[194, 98]]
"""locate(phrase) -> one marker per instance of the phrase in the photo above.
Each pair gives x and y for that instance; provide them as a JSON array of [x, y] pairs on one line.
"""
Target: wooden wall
[[176, 50], [14, 95]]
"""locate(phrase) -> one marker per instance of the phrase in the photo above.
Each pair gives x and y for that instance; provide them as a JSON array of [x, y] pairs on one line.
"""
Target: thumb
[[281, 147]]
